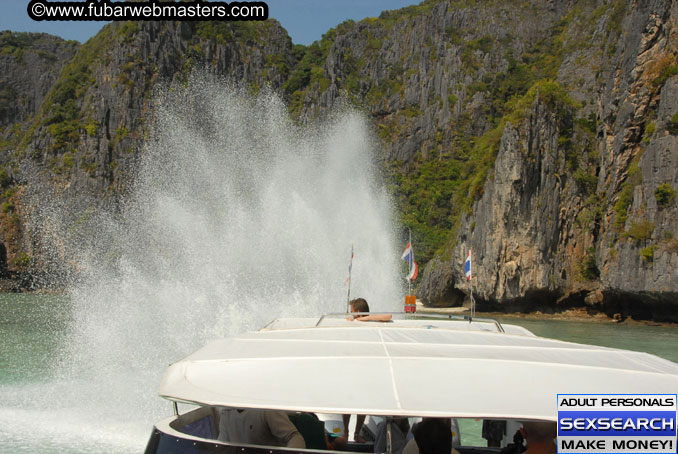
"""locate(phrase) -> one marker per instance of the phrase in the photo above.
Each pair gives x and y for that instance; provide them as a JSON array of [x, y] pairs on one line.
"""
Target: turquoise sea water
[[35, 330], [32, 329], [658, 340]]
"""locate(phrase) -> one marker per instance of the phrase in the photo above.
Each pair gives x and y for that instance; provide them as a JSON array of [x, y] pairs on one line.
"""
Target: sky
[[305, 20]]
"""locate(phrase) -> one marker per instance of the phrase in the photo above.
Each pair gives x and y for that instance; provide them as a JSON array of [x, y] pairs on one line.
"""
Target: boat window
[[203, 428], [487, 433], [200, 422]]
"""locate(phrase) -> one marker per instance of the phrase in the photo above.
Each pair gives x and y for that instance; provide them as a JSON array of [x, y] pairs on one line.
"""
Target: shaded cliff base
[[580, 315], [610, 306], [24, 281]]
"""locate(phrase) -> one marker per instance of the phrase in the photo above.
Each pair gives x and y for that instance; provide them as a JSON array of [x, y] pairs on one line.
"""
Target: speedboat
[[413, 366]]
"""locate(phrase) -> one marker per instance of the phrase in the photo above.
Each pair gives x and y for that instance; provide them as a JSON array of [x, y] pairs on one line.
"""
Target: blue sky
[[305, 20]]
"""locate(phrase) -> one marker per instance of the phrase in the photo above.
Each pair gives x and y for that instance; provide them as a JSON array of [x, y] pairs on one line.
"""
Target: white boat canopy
[[427, 368]]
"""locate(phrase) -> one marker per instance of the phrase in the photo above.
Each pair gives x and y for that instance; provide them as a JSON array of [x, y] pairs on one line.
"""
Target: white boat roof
[[408, 368]]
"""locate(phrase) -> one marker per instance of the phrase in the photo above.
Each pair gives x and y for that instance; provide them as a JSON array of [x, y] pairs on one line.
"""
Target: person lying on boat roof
[[431, 436], [360, 308], [259, 427]]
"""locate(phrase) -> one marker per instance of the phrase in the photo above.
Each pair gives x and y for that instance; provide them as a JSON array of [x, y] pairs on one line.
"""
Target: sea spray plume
[[236, 216]]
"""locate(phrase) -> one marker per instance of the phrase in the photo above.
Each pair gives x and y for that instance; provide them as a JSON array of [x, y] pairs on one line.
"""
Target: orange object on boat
[[410, 303]]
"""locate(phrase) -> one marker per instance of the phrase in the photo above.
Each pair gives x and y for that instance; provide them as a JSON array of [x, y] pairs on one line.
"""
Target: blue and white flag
[[408, 256], [467, 266]]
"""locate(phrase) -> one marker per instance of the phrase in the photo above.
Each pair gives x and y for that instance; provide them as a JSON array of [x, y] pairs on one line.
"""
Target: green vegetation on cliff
[[449, 172], [61, 113], [471, 158], [665, 195], [17, 43]]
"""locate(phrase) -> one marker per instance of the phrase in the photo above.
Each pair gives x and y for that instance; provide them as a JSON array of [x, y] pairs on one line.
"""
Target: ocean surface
[[45, 406]]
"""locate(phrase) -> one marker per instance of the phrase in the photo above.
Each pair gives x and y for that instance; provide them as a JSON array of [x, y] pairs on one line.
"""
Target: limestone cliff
[[600, 235], [89, 111], [538, 134], [93, 121], [30, 64]]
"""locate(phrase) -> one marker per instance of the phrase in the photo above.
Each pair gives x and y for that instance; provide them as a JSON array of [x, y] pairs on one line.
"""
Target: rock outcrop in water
[[541, 135]]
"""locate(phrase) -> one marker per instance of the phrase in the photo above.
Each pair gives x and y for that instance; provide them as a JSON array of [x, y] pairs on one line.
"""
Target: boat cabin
[[464, 370]]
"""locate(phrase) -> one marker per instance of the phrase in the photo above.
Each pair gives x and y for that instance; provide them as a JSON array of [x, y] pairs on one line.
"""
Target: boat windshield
[[391, 319]]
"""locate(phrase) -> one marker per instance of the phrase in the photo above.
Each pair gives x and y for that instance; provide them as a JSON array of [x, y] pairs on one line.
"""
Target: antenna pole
[[470, 276], [473, 301], [348, 298], [409, 281]]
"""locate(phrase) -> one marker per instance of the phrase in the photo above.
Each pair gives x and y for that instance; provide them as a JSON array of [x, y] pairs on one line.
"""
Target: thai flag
[[408, 256], [467, 266]]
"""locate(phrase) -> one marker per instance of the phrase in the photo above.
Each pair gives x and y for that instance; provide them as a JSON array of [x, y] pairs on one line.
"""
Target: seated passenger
[[518, 444], [360, 421], [314, 433], [431, 436], [259, 427], [336, 443], [493, 432], [400, 428], [539, 436]]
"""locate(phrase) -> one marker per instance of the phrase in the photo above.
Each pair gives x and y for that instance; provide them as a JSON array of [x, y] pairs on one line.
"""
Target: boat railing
[[413, 316]]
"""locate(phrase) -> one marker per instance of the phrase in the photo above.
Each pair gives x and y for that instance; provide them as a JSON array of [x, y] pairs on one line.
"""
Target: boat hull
[[162, 443]]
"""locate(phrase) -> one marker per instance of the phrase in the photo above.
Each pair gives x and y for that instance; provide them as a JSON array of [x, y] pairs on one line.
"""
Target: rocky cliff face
[[541, 135], [30, 64], [520, 227], [86, 115], [526, 132], [602, 235], [93, 122], [434, 78]]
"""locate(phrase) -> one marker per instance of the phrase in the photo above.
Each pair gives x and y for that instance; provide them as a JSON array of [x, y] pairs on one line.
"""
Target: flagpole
[[348, 298], [472, 298], [409, 281], [473, 301], [469, 277], [408, 256]]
